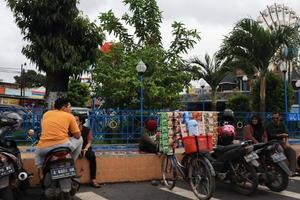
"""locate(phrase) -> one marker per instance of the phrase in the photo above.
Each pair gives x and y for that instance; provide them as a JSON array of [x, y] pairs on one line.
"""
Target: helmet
[[228, 116], [10, 118], [226, 134]]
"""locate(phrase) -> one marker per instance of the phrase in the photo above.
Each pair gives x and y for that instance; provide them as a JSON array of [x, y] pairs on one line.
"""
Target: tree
[[253, 47], [30, 79], [274, 93], [212, 70], [115, 75], [60, 41], [78, 93]]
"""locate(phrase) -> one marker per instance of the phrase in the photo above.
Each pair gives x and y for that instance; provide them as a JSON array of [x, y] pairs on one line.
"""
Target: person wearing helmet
[[226, 133]]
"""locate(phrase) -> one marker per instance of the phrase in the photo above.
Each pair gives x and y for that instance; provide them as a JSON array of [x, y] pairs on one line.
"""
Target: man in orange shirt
[[57, 124]]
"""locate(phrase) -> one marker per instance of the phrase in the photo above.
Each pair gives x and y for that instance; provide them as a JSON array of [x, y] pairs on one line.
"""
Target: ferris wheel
[[278, 15]]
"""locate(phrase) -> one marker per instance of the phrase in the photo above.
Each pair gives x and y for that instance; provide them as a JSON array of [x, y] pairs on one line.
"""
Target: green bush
[[239, 103]]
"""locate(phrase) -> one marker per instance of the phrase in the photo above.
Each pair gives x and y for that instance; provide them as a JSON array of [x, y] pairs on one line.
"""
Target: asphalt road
[[147, 191]]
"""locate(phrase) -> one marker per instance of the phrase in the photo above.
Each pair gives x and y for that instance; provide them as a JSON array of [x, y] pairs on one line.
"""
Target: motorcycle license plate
[[277, 157], [251, 156], [6, 169], [62, 172]]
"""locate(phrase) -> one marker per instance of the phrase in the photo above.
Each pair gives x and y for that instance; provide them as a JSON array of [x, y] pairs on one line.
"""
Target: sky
[[212, 18]]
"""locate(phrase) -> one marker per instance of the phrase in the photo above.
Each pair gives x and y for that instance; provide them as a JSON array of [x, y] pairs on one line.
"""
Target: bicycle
[[195, 168]]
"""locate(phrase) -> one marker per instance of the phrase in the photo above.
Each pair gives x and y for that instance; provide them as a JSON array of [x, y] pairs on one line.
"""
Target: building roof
[[230, 78]]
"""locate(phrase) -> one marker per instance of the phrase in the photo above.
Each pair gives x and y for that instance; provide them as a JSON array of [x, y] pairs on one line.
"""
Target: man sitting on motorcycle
[[59, 129], [278, 131]]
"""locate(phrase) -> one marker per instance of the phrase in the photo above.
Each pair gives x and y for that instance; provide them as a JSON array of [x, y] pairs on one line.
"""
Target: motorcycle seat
[[56, 150], [221, 148], [260, 145]]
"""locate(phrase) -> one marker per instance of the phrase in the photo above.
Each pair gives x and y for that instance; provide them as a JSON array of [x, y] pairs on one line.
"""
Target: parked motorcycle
[[272, 171], [12, 175], [59, 181], [235, 162]]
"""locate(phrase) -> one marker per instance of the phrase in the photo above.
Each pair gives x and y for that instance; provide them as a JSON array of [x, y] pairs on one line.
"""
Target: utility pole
[[22, 80]]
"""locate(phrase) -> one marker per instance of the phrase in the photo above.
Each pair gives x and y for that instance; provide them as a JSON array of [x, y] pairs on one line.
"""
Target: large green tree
[[212, 70], [60, 41], [253, 47], [115, 76], [78, 93], [30, 78]]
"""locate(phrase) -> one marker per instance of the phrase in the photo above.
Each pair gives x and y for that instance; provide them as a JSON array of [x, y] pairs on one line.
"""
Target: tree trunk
[[262, 93], [56, 86], [213, 100]]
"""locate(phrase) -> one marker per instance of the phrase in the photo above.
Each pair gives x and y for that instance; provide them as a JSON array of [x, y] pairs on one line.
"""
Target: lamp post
[[245, 79], [284, 70], [141, 68], [298, 87], [202, 94]]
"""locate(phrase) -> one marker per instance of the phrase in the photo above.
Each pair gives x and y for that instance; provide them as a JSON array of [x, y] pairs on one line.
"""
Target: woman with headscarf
[[255, 130]]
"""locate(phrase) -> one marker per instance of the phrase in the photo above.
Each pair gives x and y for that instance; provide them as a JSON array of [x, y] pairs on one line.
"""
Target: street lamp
[[245, 79], [298, 87], [141, 68], [283, 69], [202, 92]]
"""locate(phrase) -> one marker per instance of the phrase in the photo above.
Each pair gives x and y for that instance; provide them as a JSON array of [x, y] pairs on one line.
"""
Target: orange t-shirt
[[56, 125]]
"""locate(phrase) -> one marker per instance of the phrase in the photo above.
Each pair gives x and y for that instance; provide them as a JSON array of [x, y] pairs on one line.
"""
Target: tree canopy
[[60, 41], [253, 47], [115, 76], [30, 79], [78, 93]]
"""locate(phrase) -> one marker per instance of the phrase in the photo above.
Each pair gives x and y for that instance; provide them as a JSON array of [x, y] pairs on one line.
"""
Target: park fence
[[121, 129]]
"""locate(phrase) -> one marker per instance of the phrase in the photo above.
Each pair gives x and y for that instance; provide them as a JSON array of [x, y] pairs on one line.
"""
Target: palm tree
[[253, 47], [212, 70]]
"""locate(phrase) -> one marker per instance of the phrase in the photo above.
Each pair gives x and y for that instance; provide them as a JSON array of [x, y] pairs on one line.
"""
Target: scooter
[[59, 181], [272, 171], [13, 178]]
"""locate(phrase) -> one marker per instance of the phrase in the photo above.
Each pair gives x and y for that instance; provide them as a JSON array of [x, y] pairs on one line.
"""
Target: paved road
[[146, 191]]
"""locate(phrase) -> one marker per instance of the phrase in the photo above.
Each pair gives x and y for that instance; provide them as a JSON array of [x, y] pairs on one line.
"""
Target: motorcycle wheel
[[244, 178], [65, 196], [6, 194], [278, 180]]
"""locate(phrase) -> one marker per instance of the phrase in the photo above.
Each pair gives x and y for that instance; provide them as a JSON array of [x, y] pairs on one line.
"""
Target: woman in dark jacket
[[87, 149]]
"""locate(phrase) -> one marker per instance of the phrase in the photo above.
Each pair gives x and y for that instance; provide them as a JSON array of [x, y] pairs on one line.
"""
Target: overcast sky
[[212, 18]]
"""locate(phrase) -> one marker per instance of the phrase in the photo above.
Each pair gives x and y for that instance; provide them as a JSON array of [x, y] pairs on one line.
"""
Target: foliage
[[78, 93], [60, 41], [30, 79], [239, 103], [274, 93], [212, 70], [252, 47], [115, 76]]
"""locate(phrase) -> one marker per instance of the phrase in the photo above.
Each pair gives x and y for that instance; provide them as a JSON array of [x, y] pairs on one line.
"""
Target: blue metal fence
[[121, 128]]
